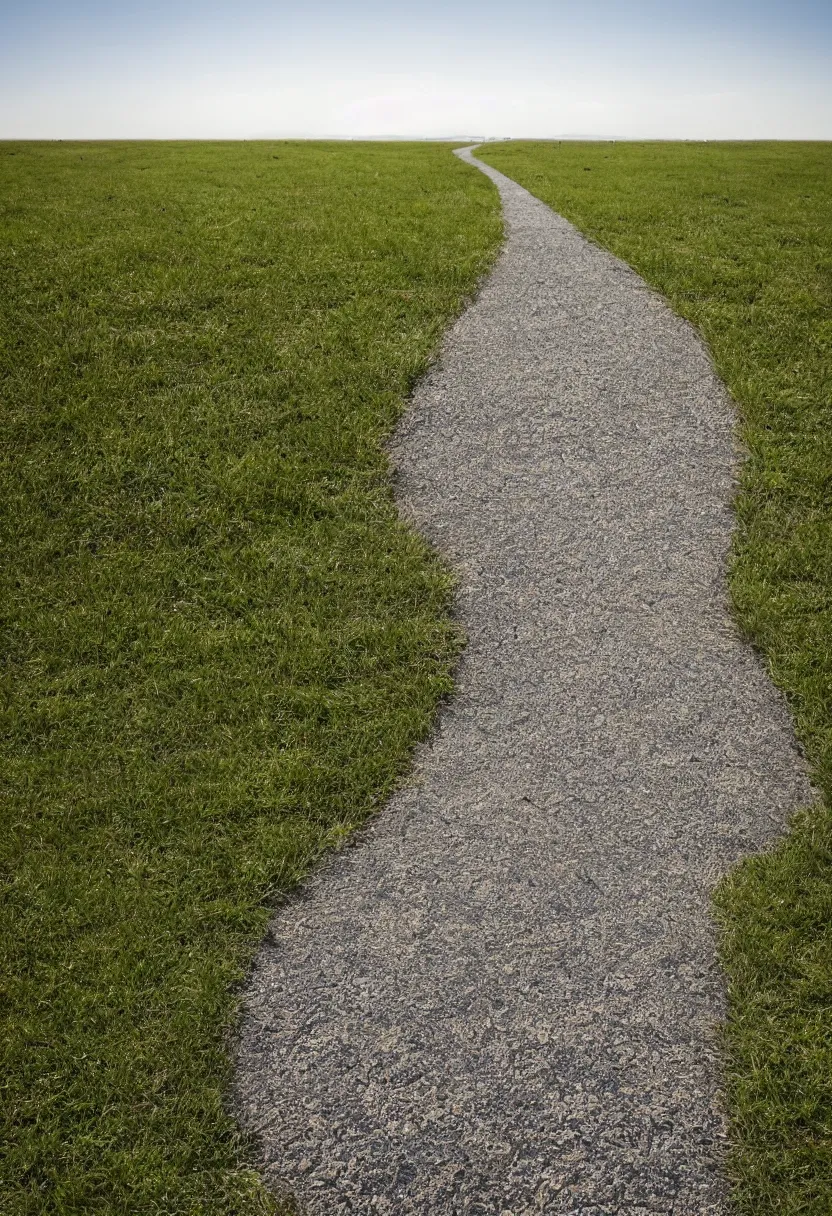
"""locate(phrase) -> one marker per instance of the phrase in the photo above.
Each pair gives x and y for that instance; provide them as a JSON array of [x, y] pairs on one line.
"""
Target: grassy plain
[[220, 642], [738, 237]]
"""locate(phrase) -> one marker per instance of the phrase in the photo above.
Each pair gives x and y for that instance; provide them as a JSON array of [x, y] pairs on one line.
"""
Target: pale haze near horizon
[[260, 70]]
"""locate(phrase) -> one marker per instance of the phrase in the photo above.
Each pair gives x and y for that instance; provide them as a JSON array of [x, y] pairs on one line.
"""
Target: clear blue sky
[[262, 68]]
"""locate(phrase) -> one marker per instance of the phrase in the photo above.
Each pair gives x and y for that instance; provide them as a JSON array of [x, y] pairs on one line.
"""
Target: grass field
[[739, 238], [220, 642]]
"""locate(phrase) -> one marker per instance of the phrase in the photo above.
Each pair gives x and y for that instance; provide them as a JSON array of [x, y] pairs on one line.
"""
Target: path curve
[[503, 999]]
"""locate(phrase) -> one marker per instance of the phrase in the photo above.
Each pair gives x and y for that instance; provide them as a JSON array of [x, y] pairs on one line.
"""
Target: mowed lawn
[[219, 641], [738, 237]]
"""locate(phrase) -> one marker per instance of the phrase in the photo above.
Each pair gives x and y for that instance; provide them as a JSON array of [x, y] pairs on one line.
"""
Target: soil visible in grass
[[739, 238], [220, 642]]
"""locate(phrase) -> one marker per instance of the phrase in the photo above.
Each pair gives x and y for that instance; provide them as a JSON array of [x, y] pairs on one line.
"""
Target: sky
[[260, 69]]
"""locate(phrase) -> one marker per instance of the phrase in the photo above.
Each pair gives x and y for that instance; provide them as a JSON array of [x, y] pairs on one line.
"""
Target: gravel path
[[502, 1000]]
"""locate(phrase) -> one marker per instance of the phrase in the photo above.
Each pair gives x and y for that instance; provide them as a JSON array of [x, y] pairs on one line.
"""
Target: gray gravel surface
[[503, 999]]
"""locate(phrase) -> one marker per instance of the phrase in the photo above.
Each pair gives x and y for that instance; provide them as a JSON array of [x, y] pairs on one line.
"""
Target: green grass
[[220, 642], [738, 237]]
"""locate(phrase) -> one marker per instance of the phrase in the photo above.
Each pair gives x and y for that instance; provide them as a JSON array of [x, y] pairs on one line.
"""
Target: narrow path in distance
[[503, 999]]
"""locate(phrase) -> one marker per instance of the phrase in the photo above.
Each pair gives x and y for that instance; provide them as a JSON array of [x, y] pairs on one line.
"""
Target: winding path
[[503, 999]]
